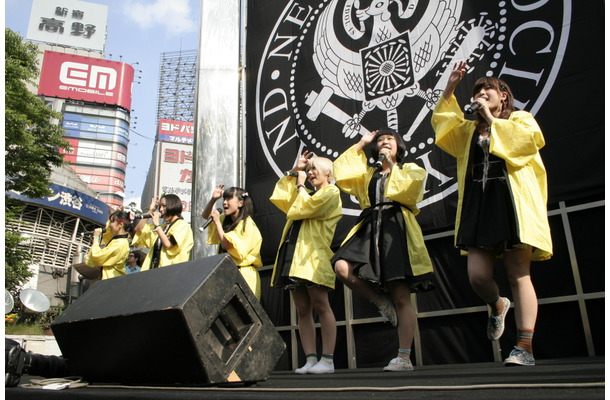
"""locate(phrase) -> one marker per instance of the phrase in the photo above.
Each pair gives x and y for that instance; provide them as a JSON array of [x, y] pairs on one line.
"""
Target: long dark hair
[[508, 105], [402, 147], [244, 212]]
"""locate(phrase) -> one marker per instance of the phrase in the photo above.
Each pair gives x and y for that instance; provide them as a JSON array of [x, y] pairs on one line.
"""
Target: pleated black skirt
[[379, 253]]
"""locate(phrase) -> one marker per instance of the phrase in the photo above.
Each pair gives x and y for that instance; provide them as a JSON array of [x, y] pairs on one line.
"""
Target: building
[[94, 96], [54, 231], [92, 93], [171, 165]]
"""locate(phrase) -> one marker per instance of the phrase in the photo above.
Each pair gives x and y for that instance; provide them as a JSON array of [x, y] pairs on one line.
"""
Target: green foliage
[[16, 259], [32, 139], [23, 329], [133, 207]]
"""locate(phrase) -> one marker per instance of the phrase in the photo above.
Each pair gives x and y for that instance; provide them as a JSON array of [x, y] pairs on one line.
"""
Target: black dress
[[378, 250], [488, 216]]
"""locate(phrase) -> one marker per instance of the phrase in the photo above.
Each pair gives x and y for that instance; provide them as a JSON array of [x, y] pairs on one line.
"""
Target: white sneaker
[[399, 364], [303, 370], [520, 357], [322, 368], [495, 323]]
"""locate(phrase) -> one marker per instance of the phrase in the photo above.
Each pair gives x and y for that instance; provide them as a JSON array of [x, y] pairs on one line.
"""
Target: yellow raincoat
[[516, 140], [320, 213], [181, 252], [246, 251], [111, 258], [405, 185]]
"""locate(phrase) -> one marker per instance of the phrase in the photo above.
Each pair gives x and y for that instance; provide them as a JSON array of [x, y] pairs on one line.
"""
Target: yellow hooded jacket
[[405, 185], [111, 258], [181, 252], [516, 140], [246, 252], [320, 213]]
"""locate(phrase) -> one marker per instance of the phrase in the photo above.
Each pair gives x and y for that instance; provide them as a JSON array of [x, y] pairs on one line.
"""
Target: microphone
[[207, 221], [472, 108], [290, 173], [380, 160], [91, 232], [143, 216]]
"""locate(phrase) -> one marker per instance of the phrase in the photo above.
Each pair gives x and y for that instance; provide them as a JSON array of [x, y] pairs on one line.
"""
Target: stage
[[569, 378]]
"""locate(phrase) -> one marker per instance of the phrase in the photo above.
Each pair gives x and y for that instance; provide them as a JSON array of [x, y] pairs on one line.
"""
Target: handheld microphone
[[91, 232], [472, 108], [143, 216], [290, 173], [207, 221], [380, 160]]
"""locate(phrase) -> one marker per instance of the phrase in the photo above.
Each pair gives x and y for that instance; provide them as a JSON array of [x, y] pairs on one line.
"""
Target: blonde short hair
[[322, 164]]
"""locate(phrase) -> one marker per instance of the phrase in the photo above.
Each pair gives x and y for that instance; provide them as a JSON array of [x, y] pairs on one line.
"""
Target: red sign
[[176, 131], [68, 76]]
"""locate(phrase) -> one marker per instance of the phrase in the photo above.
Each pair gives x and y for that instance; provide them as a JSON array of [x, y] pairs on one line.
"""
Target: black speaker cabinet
[[195, 323]]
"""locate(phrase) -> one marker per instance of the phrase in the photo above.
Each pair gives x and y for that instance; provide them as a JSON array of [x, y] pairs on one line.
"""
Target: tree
[[32, 139], [32, 142], [16, 258], [134, 207]]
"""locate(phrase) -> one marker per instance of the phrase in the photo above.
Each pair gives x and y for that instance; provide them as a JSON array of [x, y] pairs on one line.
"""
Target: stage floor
[[570, 378]]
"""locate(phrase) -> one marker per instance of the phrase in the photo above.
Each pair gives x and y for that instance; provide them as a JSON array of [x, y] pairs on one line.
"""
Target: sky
[[138, 32]]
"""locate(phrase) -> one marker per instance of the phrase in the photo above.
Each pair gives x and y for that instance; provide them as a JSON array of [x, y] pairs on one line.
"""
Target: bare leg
[[328, 323], [345, 273], [517, 263], [307, 330], [480, 273], [401, 296]]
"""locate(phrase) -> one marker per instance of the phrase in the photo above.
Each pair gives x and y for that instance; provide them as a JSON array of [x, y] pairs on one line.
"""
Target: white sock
[[327, 359], [311, 359]]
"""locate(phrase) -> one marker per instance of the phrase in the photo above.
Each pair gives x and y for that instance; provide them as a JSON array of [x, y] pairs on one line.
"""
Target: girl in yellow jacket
[[502, 194], [236, 232], [385, 251], [112, 256], [303, 260], [169, 243]]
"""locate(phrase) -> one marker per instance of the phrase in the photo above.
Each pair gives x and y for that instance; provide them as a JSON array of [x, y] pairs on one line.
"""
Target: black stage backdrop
[[320, 73]]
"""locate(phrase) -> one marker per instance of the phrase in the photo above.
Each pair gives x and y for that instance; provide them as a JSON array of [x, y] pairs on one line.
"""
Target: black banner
[[320, 73]]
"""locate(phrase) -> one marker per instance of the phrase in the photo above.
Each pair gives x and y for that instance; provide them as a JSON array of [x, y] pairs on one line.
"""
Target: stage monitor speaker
[[195, 323]]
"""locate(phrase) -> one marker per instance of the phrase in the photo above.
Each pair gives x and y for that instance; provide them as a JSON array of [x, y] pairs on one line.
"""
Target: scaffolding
[[177, 85], [55, 241]]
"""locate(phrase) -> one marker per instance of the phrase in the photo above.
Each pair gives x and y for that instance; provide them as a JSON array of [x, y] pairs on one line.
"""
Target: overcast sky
[[138, 31]]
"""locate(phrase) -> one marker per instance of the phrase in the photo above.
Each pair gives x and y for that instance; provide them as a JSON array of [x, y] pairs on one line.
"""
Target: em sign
[[69, 76]]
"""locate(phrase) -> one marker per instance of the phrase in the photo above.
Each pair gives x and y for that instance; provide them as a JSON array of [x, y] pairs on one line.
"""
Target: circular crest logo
[[333, 70]]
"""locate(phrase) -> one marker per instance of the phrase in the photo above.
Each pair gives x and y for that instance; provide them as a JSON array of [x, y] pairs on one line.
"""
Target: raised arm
[[458, 72], [216, 194]]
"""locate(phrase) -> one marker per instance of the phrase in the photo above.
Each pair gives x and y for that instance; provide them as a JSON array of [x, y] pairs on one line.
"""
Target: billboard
[[95, 153], [93, 127], [175, 173], [69, 23], [175, 131], [68, 76], [70, 201]]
